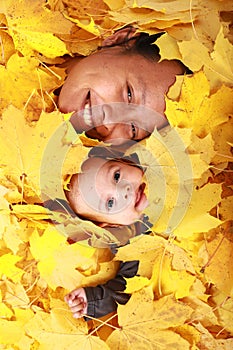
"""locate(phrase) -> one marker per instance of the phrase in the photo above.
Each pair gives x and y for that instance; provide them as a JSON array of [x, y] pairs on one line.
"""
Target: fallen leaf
[[142, 316], [200, 111]]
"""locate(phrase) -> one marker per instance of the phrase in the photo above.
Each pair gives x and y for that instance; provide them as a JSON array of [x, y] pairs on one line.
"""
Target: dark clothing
[[103, 299]]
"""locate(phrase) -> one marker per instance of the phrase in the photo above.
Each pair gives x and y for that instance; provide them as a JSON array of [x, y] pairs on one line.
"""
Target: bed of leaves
[[183, 295]]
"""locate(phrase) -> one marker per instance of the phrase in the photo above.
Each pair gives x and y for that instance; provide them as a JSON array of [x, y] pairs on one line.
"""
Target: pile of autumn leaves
[[182, 297]]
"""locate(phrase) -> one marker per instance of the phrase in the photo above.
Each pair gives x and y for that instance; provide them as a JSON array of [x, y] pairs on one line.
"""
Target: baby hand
[[77, 301]]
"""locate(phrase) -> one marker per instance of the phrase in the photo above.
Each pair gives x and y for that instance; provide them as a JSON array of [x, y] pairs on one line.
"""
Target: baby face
[[110, 192]]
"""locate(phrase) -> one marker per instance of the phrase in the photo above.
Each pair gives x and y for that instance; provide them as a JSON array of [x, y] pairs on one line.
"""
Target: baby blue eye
[[117, 176], [110, 203]]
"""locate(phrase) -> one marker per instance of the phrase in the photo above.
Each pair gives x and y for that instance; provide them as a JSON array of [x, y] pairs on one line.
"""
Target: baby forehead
[[96, 164]]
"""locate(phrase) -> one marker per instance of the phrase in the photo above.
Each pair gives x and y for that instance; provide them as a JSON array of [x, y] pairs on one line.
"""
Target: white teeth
[[87, 114]]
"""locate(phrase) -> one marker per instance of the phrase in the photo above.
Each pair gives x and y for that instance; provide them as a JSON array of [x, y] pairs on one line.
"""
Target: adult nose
[[117, 133]]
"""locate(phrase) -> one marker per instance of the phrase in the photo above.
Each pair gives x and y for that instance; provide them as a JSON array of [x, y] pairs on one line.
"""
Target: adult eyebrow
[[142, 89]]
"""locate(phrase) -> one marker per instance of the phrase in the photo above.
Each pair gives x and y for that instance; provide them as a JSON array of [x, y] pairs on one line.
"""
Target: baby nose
[[127, 191]]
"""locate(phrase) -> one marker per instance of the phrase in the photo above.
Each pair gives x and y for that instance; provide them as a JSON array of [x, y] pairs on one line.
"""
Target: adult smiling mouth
[[87, 111]]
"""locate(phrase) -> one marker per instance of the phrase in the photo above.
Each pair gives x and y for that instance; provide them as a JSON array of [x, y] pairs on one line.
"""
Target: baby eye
[[129, 94], [110, 203], [133, 127], [117, 176]]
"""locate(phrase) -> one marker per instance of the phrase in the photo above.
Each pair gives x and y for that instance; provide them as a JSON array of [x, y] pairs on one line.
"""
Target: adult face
[[111, 76]]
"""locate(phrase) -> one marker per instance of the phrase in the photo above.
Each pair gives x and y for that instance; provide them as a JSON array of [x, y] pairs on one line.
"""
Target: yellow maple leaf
[[58, 262], [171, 273], [5, 219], [88, 24], [145, 249], [223, 305], [5, 311], [223, 139], [22, 146], [15, 295], [142, 316], [198, 109], [217, 65], [136, 283], [13, 333], [197, 218], [8, 48], [12, 80], [8, 268], [60, 328], [219, 267], [32, 28]]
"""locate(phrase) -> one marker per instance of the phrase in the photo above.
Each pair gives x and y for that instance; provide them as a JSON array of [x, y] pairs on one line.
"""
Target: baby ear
[[119, 36]]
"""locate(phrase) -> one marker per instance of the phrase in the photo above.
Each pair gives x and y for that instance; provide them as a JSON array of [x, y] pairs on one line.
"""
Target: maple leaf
[[13, 333], [195, 262], [200, 111], [23, 147], [8, 268], [7, 45], [60, 328], [32, 27], [218, 268], [223, 305], [217, 64], [142, 316], [143, 248], [5, 219], [58, 262], [12, 80], [15, 295]]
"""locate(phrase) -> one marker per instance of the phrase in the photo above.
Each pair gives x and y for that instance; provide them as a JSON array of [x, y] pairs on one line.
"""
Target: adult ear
[[121, 35]]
